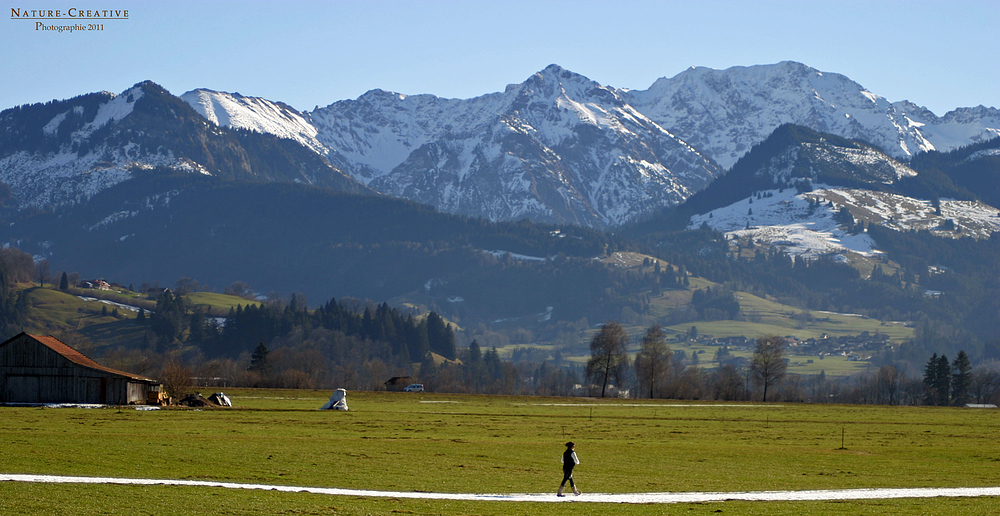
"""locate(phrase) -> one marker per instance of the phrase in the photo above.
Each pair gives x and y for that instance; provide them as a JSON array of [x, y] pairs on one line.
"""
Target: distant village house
[[98, 284], [398, 383]]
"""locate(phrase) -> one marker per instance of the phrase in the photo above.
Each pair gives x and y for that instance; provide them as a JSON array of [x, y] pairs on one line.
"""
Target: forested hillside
[[975, 168]]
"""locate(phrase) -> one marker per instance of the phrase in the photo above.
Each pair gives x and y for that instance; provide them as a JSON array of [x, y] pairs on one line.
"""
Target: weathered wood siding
[[33, 373]]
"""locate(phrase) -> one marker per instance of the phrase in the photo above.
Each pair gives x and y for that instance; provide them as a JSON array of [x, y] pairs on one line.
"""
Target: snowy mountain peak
[[65, 152], [556, 73], [254, 113], [555, 81], [556, 147], [726, 112], [378, 94]]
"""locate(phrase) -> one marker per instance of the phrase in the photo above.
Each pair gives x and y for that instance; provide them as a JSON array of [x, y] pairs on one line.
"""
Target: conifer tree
[[196, 334], [258, 361], [944, 381], [961, 379], [937, 380], [493, 365], [475, 353], [441, 338]]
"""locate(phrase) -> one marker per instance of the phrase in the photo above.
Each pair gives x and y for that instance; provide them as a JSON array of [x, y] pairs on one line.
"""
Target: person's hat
[[570, 444]]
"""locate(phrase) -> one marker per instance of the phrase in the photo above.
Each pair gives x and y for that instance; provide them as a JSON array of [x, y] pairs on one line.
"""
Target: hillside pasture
[[482, 444], [760, 316], [217, 304]]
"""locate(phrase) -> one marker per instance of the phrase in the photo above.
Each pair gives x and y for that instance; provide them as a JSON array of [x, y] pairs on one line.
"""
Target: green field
[[216, 304], [766, 317], [481, 444]]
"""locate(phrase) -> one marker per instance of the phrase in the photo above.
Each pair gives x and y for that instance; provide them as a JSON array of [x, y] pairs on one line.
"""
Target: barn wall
[[138, 392], [32, 373]]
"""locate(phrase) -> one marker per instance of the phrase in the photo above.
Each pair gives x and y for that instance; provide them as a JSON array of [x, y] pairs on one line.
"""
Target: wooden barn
[[397, 383], [36, 369]]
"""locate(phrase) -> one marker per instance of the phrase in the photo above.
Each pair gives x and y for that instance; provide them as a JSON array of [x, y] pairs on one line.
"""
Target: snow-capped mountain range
[[560, 147], [557, 147], [63, 174]]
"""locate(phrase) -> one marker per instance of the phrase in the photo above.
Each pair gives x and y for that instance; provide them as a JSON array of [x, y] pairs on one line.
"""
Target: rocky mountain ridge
[[560, 147], [556, 148]]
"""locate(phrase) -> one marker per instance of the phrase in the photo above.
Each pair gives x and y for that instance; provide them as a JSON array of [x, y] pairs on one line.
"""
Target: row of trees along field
[[657, 373]]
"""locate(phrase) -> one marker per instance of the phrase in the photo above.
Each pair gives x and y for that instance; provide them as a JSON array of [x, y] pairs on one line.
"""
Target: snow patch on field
[[631, 498]]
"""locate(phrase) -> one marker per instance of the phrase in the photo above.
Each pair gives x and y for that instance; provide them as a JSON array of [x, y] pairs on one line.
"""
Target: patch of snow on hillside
[[866, 158], [501, 254], [982, 154], [112, 218], [798, 225], [53, 126], [785, 220], [114, 110], [65, 178]]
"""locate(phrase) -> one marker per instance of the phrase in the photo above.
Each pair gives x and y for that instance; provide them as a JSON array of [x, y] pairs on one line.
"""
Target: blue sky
[[940, 54]]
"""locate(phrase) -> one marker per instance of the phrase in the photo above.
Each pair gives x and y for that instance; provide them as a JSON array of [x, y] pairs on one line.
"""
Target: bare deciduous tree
[[240, 289], [768, 363], [985, 383], [176, 380], [43, 272], [728, 384], [652, 364], [889, 382], [608, 355]]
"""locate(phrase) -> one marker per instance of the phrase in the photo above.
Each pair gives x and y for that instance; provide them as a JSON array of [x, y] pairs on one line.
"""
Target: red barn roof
[[75, 356]]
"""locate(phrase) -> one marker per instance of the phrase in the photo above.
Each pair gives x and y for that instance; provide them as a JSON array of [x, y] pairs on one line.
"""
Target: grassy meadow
[[492, 444]]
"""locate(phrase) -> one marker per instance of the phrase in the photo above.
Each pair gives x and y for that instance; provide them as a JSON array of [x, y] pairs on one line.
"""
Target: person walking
[[569, 461]]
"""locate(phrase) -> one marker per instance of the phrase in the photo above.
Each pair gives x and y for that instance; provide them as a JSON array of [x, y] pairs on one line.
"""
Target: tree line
[[401, 337], [656, 372]]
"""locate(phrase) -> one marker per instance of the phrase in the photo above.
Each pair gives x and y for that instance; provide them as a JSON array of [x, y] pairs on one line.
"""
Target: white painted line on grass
[[693, 497]]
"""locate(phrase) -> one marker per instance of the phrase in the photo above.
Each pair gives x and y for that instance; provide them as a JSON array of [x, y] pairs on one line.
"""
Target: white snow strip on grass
[[691, 497]]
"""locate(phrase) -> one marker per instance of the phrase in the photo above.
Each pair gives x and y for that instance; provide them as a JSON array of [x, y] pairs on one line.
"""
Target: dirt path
[[837, 494]]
